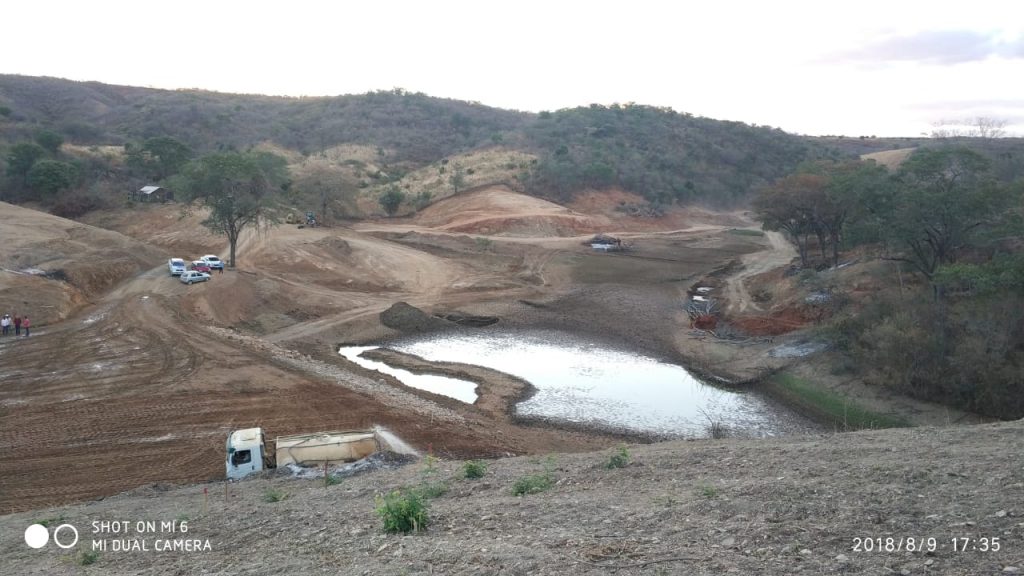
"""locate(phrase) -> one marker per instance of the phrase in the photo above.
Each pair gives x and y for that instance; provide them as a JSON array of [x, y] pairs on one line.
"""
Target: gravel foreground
[[796, 505]]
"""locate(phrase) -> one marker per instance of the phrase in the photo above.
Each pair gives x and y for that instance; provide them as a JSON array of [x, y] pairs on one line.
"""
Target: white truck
[[247, 449]]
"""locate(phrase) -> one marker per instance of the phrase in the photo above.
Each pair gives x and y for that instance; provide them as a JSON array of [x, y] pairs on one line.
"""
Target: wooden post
[[206, 498], [325, 475]]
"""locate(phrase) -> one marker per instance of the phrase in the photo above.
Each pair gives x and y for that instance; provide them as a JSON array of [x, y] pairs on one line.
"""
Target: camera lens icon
[[37, 535]]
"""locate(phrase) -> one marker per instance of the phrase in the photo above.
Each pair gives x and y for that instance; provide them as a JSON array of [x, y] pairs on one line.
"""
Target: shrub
[[707, 490], [428, 490], [474, 469], [274, 495], [619, 459], [88, 557], [532, 484], [402, 512]]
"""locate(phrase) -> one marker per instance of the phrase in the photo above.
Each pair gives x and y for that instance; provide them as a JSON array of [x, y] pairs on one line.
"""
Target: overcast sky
[[889, 68]]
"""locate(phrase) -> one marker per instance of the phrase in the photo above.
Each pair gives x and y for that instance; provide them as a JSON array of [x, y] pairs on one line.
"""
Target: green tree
[[236, 188], [391, 199], [457, 178], [51, 141], [47, 177], [21, 157], [941, 199], [159, 157], [848, 185]]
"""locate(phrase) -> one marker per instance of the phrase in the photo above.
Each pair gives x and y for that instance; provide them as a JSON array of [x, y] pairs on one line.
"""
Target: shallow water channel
[[585, 382]]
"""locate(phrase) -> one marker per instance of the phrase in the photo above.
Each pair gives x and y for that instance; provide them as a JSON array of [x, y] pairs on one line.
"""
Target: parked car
[[200, 266], [192, 276], [176, 266], [213, 261]]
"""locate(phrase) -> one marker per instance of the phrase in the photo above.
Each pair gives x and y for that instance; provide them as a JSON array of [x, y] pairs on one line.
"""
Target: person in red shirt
[[26, 325], [17, 325]]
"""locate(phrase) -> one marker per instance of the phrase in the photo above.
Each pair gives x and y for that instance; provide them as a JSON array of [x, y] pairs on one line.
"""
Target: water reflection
[[586, 382]]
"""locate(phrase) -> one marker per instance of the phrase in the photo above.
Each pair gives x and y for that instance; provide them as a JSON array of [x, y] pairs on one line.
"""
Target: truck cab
[[246, 452]]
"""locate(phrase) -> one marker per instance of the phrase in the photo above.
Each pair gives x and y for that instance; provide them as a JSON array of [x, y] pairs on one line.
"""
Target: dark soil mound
[[404, 317]]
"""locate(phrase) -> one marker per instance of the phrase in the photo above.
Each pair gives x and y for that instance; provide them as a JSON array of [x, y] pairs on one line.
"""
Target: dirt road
[[780, 253]]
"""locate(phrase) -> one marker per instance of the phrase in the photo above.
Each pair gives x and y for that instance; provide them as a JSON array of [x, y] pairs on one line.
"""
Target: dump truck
[[247, 449]]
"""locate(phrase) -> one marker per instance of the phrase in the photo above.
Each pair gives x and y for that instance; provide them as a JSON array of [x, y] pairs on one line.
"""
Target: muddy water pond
[[594, 384]]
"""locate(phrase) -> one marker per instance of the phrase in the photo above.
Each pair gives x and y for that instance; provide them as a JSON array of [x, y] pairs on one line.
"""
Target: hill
[[658, 153]]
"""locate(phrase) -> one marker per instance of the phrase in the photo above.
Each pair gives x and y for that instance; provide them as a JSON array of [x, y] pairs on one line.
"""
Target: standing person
[[17, 325], [26, 325], [5, 322]]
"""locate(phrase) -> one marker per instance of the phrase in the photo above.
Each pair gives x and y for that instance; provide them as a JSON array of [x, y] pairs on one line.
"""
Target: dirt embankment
[[814, 505]]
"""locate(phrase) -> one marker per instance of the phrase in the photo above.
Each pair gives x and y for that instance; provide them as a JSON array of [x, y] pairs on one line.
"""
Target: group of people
[[17, 322]]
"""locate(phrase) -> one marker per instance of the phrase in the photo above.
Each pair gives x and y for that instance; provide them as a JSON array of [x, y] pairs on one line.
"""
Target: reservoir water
[[595, 384]]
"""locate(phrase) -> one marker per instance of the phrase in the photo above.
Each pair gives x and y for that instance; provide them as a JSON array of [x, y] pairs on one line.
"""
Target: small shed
[[152, 194]]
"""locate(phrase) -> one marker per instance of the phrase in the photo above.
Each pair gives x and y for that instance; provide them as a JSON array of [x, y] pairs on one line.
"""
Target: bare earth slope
[[795, 505], [50, 267]]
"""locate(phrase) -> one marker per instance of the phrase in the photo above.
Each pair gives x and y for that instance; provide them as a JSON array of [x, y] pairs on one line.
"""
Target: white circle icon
[[57, 531], [36, 536]]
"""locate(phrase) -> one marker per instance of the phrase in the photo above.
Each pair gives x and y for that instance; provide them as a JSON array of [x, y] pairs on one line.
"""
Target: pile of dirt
[[405, 317], [51, 266], [500, 211], [335, 246]]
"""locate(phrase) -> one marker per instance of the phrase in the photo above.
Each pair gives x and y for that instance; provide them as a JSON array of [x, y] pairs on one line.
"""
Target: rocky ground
[[797, 505]]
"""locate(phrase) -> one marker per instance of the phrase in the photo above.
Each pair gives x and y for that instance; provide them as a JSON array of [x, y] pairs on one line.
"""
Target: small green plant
[[332, 480], [182, 518], [274, 495], [620, 459], [51, 521], [474, 469], [532, 484], [429, 486], [430, 465], [88, 557], [428, 490], [668, 501], [707, 490], [484, 243], [402, 512]]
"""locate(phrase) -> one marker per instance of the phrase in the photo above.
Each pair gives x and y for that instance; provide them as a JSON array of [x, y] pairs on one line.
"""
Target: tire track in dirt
[[778, 253]]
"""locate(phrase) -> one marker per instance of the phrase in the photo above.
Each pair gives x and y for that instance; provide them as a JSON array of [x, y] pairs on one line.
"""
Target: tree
[[236, 188], [457, 178], [21, 157], [47, 177], [850, 185], [789, 205], [979, 127], [941, 198], [159, 157], [51, 141], [391, 199]]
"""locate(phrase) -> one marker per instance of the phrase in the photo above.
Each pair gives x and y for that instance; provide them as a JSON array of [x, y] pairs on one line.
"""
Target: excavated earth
[[131, 378]]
